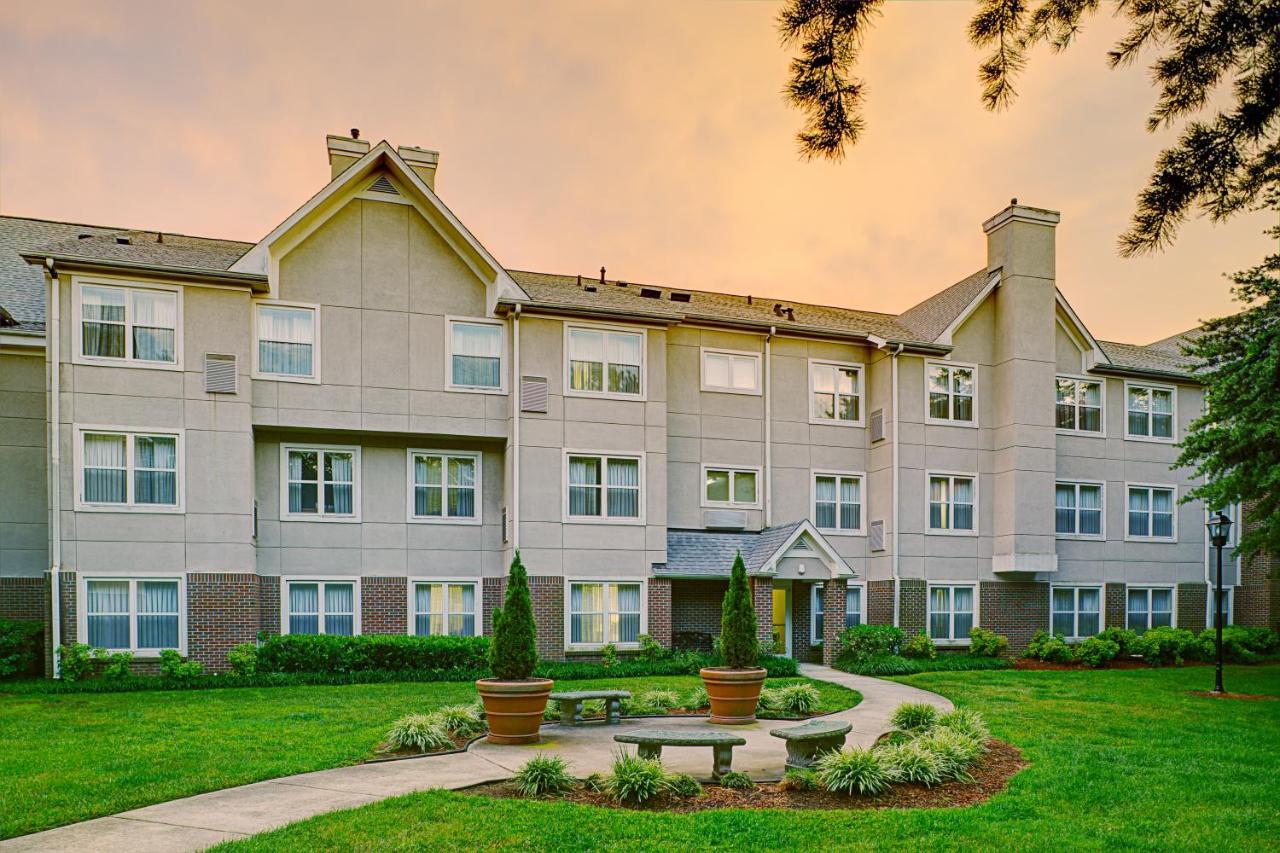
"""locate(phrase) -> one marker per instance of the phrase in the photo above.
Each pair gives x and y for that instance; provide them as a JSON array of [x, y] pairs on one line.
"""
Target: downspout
[[768, 428], [893, 378], [515, 430], [55, 478]]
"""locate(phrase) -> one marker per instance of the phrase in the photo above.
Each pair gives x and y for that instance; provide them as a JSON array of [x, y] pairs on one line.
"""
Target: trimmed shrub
[[738, 641], [243, 659], [74, 662], [949, 662], [1240, 643], [609, 656], [914, 717], [113, 664], [422, 732], [911, 762], [696, 699], [634, 779], [798, 779], [1164, 645], [385, 652], [461, 720], [966, 722], [1049, 648], [678, 663], [919, 646], [683, 785], [651, 649], [1122, 637], [513, 653], [865, 642], [21, 647], [1095, 651], [852, 770], [737, 781], [987, 644], [543, 774], [173, 666]]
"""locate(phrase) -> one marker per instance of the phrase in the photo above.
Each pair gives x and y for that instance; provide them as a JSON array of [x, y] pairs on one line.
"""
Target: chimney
[[422, 161], [344, 151]]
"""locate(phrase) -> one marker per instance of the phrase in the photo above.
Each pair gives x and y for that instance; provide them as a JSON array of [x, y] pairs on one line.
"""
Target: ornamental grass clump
[[683, 785], [696, 699], [634, 779], [955, 753], [966, 722], [461, 720], [663, 700], [798, 698], [914, 717], [422, 732], [912, 762], [543, 774], [798, 779], [852, 771]]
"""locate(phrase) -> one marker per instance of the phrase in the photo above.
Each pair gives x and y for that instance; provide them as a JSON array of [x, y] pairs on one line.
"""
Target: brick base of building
[[1015, 609], [1113, 615], [222, 611], [1256, 601], [802, 648], [696, 607], [762, 599], [384, 606], [660, 611], [833, 602], [1193, 606], [880, 602], [913, 598], [547, 593]]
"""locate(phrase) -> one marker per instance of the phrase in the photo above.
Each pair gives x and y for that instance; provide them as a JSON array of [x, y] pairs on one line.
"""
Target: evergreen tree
[[738, 641], [513, 653]]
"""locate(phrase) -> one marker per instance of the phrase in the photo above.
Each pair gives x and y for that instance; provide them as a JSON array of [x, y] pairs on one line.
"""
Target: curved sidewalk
[[194, 823]]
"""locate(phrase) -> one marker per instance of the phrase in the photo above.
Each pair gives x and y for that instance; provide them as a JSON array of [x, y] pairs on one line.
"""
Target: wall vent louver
[[219, 373], [877, 425], [875, 536], [533, 394], [724, 519], [382, 185]]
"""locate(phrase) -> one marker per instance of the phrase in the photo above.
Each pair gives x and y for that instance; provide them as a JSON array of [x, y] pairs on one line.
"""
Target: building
[[351, 425]]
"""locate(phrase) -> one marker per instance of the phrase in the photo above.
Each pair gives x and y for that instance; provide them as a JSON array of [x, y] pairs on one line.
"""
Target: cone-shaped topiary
[[513, 653], [738, 641]]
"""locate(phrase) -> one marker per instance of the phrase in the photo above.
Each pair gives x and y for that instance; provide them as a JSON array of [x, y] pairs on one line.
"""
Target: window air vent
[[679, 297], [875, 536], [533, 394], [877, 425], [650, 293], [382, 185], [219, 373], [724, 519]]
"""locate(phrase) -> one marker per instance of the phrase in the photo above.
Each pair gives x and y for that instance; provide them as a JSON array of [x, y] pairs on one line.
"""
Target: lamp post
[[1219, 532]]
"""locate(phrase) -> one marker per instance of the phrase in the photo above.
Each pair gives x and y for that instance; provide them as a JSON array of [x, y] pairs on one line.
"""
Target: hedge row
[[21, 647], [947, 662]]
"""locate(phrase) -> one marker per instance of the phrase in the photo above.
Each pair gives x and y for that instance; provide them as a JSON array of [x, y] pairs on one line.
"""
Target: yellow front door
[[779, 619]]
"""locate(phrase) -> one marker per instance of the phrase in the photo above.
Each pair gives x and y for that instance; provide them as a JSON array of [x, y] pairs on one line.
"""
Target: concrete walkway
[[194, 823]]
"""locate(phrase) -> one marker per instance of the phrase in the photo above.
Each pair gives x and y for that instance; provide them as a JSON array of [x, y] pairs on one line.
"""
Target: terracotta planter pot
[[734, 693], [513, 709]]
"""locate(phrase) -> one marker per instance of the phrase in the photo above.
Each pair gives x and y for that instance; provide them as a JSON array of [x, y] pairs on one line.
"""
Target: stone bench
[[807, 741], [571, 705], [651, 742]]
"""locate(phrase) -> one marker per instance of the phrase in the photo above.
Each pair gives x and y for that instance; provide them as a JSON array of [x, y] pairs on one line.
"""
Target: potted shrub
[[513, 700], [734, 689]]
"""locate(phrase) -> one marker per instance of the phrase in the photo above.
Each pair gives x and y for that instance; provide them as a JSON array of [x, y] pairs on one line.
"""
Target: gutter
[[256, 281], [768, 429], [897, 598], [54, 355], [1143, 373], [515, 430]]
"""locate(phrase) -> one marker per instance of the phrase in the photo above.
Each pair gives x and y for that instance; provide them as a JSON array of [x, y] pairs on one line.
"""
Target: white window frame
[[929, 419], [1101, 381], [314, 308], [571, 646], [1086, 537], [1170, 487], [449, 385], [474, 455], [861, 476], [1075, 602], [82, 618], [477, 622], [354, 580], [603, 518], [755, 357], [130, 434], [320, 515], [605, 393], [816, 602], [77, 331], [951, 624], [733, 471], [858, 391], [951, 476], [1173, 425], [1173, 602]]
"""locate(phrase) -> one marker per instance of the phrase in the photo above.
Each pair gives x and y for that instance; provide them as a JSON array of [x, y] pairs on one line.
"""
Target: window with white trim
[[603, 487], [321, 607], [1076, 611], [1148, 607], [601, 613], [444, 486], [129, 469], [321, 482], [837, 502], [128, 324], [475, 355], [445, 608], [133, 614], [286, 340], [951, 503], [733, 372], [1078, 509], [951, 391], [730, 487], [951, 613], [1079, 404], [605, 362], [1150, 412], [835, 392], [1151, 512], [852, 610]]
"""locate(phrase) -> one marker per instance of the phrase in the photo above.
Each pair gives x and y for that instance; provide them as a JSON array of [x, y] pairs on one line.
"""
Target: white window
[[287, 336], [122, 469], [141, 615], [129, 324], [604, 362], [321, 607], [603, 487], [1149, 607], [1079, 404], [1150, 411], [1211, 619], [1076, 611], [853, 610], [952, 499], [1152, 512], [441, 607], [444, 486], [731, 487], [732, 372], [1078, 510], [320, 482], [837, 501], [951, 389], [605, 612], [835, 393], [475, 355], [951, 610]]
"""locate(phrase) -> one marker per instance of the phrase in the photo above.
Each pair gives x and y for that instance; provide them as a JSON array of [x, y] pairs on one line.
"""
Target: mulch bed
[[991, 776], [1032, 663], [1253, 697]]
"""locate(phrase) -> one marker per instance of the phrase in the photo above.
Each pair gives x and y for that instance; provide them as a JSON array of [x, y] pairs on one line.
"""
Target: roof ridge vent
[[123, 239], [383, 185]]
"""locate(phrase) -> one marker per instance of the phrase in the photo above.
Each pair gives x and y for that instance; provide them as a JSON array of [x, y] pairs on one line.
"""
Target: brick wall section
[[24, 598], [696, 607], [1257, 599], [880, 602], [1193, 606], [494, 590], [801, 639], [384, 606], [222, 611], [269, 605], [1015, 609], [660, 611], [1113, 609], [833, 598], [547, 593], [913, 609], [762, 598]]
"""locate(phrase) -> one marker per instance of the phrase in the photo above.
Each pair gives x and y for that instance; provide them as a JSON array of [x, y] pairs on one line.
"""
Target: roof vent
[[650, 293], [590, 288], [83, 236], [679, 297], [382, 185], [123, 239]]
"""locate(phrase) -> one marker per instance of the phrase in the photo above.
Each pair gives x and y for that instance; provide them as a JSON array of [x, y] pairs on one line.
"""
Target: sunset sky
[[649, 137]]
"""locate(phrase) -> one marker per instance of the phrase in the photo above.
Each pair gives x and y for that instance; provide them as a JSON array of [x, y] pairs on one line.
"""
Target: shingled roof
[[21, 284], [1163, 359], [930, 318], [151, 248], [703, 553]]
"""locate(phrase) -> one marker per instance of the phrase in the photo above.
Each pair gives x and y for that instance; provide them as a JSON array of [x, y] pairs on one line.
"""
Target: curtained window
[[950, 391], [132, 614], [730, 371], [604, 487], [444, 485], [852, 610], [129, 323], [476, 356], [1151, 512], [322, 607], [1076, 611], [444, 608], [951, 503], [835, 393], [1078, 509], [320, 481], [286, 340], [852, 606], [950, 612], [601, 613], [1149, 607], [1079, 405], [605, 362], [730, 487], [129, 469], [1150, 412], [837, 501]]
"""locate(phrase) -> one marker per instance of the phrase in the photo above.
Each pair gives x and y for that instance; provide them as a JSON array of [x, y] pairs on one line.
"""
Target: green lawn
[[70, 757], [1120, 760]]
